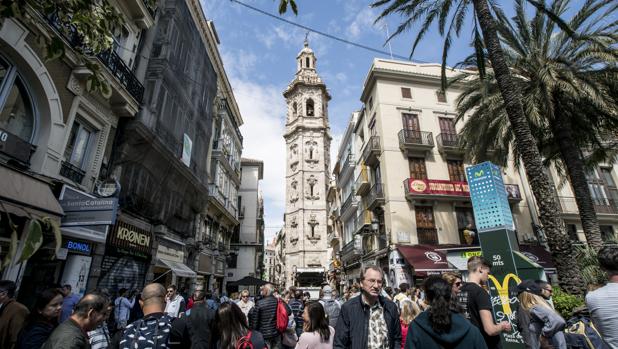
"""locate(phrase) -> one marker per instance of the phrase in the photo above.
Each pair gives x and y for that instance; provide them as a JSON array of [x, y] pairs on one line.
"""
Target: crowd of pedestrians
[[445, 312]]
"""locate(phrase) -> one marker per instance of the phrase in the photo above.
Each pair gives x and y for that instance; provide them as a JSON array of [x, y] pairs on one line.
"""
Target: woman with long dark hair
[[439, 326], [232, 330], [42, 320], [316, 332]]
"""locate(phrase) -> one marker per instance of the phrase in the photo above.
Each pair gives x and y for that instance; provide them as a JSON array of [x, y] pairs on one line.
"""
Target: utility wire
[[320, 32]]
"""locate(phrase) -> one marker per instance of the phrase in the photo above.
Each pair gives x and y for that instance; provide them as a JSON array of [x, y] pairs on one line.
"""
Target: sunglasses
[[458, 283]]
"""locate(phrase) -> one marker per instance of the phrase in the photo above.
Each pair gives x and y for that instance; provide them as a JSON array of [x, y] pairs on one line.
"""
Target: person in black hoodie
[[439, 327], [42, 320]]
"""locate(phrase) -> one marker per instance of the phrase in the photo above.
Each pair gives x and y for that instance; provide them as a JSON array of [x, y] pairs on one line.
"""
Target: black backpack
[[150, 332]]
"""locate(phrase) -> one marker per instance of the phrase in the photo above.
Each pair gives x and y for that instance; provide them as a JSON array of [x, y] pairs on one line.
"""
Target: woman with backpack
[[439, 327], [232, 330], [545, 327], [317, 333]]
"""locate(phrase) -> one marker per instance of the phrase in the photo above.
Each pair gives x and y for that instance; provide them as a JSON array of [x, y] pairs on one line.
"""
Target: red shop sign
[[437, 187]]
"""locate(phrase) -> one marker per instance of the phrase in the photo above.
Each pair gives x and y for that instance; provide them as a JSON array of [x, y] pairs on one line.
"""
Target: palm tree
[[451, 15], [567, 86]]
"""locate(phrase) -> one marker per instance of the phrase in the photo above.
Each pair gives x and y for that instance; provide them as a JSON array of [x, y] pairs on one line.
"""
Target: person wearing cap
[[332, 308], [539, 324]]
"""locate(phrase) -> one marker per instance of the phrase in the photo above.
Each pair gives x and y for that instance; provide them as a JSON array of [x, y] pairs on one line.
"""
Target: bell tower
[[307, 138]]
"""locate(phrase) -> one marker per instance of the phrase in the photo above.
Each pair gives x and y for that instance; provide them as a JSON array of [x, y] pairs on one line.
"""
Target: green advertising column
[[494, 222]]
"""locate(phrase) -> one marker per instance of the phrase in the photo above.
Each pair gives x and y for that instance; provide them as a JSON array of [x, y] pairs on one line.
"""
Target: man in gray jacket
[[88, 313]]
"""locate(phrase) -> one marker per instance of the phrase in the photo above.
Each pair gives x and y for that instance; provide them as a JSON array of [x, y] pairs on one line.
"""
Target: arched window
[[294, 109], [309, 108], [16, 108], [307, 62]]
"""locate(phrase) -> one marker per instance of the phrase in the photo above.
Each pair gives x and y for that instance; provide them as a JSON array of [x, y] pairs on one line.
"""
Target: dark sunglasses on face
[[458, 283]]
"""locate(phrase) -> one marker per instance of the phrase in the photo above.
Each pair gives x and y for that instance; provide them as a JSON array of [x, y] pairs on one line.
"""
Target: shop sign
[[76, 246], [437, 187], [83, 209], [131, 239], [14, 146], [170, 254], [468, 254]]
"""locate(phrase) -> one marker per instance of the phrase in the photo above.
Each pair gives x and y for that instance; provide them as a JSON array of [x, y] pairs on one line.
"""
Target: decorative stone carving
[[313, 222], [293, 192], [293, 231], [311, 192]]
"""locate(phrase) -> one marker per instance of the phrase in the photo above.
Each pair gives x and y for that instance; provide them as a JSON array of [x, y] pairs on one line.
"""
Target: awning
[[22, 194], [425, 259], [539, 255], [248, 281], [177, 268]]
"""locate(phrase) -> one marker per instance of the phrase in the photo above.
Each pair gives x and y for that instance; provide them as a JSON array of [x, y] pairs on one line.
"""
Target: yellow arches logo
[[503, 290]]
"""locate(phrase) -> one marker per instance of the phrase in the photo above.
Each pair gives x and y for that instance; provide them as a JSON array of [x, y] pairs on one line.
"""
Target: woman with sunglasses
[[245, 304]]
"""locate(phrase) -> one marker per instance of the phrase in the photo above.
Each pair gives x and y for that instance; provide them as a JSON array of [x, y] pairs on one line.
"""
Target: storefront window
[[16, 110]]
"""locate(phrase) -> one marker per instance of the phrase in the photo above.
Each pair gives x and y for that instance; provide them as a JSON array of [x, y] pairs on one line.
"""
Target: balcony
[[449, 144], [602, 206], [414, 142], [16, 148], [352, 250], [363, 222], [142, 12], [72, 172], [349, 205], [371, 151], [427, 236], [108, 58], [362, 184], [375, 197], [348, 167], [224, 204], [332, 238]]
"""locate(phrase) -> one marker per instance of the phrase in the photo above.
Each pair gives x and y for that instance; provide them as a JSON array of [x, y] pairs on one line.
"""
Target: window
[[607, 232], [410, 122], [16, 109], [441, 95], [80, 141], [406, 92], [456, 170], [294, 109], [232, 260], [417, 168], [307, 62], [572, 231], [606, 172], [310, 111], [425, 225], [370, 103]]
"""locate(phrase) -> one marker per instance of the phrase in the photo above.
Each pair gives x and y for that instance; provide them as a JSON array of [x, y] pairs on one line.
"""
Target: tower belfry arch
[[307, 138]]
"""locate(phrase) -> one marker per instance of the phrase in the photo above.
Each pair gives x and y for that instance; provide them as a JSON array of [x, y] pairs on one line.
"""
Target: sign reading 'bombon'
[[437, 187]]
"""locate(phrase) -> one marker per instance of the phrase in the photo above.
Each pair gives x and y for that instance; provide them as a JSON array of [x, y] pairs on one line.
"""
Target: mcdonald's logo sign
[[503, 290]]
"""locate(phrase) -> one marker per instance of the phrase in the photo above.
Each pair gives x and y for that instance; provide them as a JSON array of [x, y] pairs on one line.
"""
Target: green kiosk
[[499, 246]]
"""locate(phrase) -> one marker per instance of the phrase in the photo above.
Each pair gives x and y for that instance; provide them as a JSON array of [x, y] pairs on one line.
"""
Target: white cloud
[[362, 23]]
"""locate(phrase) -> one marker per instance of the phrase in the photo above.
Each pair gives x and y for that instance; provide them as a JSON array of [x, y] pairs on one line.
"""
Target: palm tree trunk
[[572, 157], [561, 249]]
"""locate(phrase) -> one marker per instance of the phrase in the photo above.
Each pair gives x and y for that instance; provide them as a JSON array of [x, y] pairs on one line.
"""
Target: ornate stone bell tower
[[307, 138]]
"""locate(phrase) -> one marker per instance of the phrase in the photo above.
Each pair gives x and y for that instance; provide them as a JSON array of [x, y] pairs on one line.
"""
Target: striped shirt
[[99, 338], [602, 304]]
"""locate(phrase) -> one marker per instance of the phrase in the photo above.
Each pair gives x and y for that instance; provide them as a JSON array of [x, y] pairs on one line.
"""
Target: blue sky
[[259, 56]]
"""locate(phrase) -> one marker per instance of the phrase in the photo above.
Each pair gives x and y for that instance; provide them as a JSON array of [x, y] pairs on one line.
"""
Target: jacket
[[546, 322], [264, 317], [200, 324], [12, 318], [353, 324], [462, 334], [34, 335], [68, 335]]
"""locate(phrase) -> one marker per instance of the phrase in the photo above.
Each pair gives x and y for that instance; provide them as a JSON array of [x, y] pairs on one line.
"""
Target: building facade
[[57, 138], [409, 198], [307, 138], [247, 244], [268, 273]]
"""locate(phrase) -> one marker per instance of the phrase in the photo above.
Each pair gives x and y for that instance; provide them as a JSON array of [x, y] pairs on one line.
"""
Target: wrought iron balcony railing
[[72, 172], [372, 150]]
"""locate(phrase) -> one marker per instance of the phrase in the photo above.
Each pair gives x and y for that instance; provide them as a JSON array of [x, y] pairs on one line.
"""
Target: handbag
[[289, 337]]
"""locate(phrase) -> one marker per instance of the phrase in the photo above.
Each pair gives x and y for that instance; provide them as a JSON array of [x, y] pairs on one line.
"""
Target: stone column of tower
[[307, 138]]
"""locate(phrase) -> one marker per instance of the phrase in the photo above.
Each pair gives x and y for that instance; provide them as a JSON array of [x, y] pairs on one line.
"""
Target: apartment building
[[56, 138], [405, 200], [247, 244], [268, 273]]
